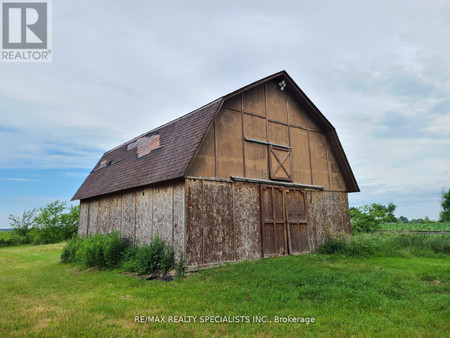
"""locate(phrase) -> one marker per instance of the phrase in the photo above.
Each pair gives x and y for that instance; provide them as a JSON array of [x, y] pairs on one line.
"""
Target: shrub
[[367, 218], [11, 238], [111, 251], [335, 244], [70, 249], [114, 248], [90, 253], [155, 256], [102, 251], [129, 259], [180, 265]]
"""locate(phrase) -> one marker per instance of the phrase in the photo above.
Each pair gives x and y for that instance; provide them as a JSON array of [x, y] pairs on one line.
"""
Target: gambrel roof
[[165, 153]]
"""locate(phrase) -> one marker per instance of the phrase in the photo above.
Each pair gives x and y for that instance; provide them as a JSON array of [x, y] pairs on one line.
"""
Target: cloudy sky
[[379, 71]]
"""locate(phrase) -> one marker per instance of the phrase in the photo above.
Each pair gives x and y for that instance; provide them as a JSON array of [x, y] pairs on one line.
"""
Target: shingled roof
[[177, 142]]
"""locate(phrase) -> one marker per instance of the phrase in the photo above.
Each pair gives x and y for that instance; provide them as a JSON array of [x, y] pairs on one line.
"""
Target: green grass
[[388, 244], [441, 226], [347, 296]]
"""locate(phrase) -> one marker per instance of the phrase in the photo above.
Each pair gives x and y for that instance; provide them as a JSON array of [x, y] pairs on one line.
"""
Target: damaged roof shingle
[[159, 155]]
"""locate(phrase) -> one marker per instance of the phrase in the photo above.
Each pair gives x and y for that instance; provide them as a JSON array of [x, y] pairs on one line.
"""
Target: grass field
[[441, 226], [346, 295]]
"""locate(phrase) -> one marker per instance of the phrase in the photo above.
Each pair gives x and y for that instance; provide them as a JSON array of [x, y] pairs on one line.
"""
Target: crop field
[[406, 295], [437, 226]]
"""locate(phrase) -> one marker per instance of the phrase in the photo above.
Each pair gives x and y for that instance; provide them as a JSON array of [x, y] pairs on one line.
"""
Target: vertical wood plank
[[144, 215], [83, 219], [162, 212], [128, 216], [179, 227]]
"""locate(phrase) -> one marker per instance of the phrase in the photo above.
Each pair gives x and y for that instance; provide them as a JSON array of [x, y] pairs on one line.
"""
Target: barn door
[[296, 221], [283, 223]]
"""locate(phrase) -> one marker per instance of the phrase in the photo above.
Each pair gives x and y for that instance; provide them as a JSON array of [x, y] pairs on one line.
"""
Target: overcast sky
[[378, 70]]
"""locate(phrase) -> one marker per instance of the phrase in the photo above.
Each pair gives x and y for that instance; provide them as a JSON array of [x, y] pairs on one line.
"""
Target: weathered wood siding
[[266, 114], [209, 221], [327, 212], [138, 215], [83, 219], [222, 222]]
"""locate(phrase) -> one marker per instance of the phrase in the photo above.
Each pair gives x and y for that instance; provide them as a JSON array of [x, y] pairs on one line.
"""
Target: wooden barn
[[257, 172]]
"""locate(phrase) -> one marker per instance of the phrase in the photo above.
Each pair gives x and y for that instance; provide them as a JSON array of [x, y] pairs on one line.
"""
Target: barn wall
[[209, 221], [222, 222], [232, 146], [327, 212], [138, 215]]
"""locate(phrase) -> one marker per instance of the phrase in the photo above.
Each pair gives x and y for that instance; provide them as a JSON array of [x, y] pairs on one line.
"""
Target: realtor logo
[[26, 31]]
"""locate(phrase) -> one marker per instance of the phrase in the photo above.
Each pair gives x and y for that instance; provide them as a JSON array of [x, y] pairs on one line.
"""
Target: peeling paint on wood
[[218, 222], [327, 213], [247, 234], [194, 222], [178, 219]]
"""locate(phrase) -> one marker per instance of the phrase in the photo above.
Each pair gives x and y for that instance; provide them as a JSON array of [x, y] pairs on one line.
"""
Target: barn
[[259, 172]]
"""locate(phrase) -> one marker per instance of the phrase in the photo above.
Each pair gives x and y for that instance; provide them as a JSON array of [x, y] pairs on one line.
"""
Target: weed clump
[[112, 251]]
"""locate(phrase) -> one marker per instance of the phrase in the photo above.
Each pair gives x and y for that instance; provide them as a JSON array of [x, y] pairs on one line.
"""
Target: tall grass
[[388, 245]]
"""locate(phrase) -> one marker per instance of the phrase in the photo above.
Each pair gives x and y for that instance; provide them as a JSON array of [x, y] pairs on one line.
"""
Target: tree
[[386, 213], [22, 224], [390, 213], [367, 218], [69, 222], [403, 219], [47, 223], [445, 203]]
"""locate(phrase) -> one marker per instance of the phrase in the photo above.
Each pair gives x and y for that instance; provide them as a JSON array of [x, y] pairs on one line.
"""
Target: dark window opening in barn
[[104, 164]]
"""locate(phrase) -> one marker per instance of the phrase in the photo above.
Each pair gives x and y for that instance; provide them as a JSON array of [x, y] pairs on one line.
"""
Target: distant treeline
[[368, 218], [50, 224]]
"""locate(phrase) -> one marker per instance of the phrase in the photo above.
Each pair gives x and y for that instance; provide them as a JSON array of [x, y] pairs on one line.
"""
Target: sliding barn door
[[284, 226]]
